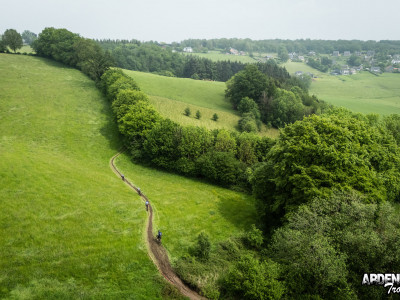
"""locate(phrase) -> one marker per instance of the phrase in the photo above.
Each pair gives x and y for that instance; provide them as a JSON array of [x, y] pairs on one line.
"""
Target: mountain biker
[[123, 177], [139, 191], [147, 204], [159, 234]]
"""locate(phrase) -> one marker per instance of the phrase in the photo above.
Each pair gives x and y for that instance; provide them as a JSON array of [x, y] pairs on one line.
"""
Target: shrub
[[215, 117], [187, 112], [198, 114], [203, 247]]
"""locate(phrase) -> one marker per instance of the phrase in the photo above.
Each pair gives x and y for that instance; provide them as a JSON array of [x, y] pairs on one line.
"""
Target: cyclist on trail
[[159, 234], [147, 205], [139, 191], [123, 177]]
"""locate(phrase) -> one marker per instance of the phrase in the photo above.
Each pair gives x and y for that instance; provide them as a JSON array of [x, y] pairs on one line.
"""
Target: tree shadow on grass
[[238, 209]]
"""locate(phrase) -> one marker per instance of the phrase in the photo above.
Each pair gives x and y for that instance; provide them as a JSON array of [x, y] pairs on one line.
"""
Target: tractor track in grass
[[155, 250]]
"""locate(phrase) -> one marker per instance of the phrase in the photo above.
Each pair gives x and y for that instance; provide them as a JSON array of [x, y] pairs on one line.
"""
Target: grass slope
[[218, 56], [68, 227], [171, 96], [364, 92]]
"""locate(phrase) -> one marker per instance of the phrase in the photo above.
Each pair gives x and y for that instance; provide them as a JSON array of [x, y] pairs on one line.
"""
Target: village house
[[346, 53], [376, 69], [188, 49], [335, 53], [233, 51]]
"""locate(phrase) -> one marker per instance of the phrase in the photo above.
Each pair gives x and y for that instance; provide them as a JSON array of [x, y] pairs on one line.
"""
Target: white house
[[188, 49]]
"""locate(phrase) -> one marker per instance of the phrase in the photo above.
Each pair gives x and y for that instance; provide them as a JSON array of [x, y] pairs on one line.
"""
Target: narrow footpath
[[155, 250]]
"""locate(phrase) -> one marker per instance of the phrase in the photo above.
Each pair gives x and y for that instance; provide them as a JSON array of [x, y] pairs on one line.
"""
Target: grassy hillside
[[69, 228], [362, 92], [218, 56], [172, 95]]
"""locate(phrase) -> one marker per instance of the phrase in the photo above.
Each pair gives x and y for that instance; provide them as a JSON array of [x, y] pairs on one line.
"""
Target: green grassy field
[[171, 96], [69, 228], [363, 92], [218, 56]]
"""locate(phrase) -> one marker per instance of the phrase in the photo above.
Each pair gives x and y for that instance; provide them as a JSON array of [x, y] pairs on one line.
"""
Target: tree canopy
[[12, 39]]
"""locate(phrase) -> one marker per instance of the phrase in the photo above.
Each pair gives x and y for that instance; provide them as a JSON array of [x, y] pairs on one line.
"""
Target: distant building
[[301, 58], [346, 53], [312, 53], [298, 73], [370, 53], [376, 69], [335, 53], [358, 53], [233, 51], [188, 49]]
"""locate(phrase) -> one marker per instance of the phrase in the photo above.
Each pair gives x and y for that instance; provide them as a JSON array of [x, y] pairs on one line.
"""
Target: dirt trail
[[156, 251]]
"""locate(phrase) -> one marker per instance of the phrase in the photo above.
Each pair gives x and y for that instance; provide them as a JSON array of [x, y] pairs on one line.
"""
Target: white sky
[[176, 20]]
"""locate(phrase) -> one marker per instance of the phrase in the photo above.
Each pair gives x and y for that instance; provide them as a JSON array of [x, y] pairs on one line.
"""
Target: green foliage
[[12, 39], [247, 83], [247, 123], [313, 156], [285, 108], [392, 124], [198, 114], [187, 112], [203, 247], [225, 142], [332, 241], [283, 54], [220, 167], [124, 99], [29, 37], [247, 105], [215, 117], [252, 279], [140, 118], [246, 148], [122, 83], [254, 237], [354, 60]]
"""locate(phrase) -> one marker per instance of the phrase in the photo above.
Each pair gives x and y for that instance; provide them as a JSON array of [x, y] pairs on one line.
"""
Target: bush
[[187, 112], [215, 117], [198, 115], [203, 247], [254, 237], [251, 279]]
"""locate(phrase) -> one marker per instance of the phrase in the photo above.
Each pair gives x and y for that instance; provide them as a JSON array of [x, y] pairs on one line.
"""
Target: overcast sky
[[176, 20]]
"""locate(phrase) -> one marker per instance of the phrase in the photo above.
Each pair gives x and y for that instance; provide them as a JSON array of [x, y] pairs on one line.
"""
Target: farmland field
[[68, 227], [172, 95], [218, 56]]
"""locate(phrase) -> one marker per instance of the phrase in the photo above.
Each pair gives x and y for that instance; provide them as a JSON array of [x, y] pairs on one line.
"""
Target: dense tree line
[[299, 46], [150, 57], [73, 50]]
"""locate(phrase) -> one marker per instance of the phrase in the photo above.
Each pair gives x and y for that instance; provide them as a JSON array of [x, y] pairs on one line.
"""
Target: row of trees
[[150, 57], [299, 46], [73, 50], [218, 155]]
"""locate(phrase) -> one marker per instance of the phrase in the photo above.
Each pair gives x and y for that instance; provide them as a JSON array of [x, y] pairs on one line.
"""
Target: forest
[[327, 189]]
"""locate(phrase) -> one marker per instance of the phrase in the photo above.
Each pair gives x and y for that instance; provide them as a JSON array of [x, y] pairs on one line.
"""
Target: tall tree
[[12, 39], [29, 37]]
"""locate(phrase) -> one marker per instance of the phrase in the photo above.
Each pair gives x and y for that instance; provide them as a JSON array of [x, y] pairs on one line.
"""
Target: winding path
[[156, 251]]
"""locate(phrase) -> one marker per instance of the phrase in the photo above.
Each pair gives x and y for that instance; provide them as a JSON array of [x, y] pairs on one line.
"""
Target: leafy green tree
[[354, 60], [246, 148], [283, 54], [249, 82], [195, 141], [122, 83], [285, 108], [91, 59], [252, 279], [126, 98], [327, 243], [247, 105], [215, 117], [224, 142], [162, 142], [187, 111], [29, 37], [3, 47], [198, 115], [12, 39], [203, 247], [247, 123], [140, 119], [392, 123], [321, 153]]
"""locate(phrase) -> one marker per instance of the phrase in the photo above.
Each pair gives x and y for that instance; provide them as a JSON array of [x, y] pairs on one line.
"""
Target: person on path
[[123, 177], [147, 205]]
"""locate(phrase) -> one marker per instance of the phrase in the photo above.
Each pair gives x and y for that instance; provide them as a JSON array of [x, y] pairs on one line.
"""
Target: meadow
[[69, 228], [170, 96], [218, 56], [362, 92]]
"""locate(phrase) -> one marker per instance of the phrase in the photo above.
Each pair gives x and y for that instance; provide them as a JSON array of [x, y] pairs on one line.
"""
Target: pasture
[[68, 227], [170, 96], [218, 56], [363, 92]]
